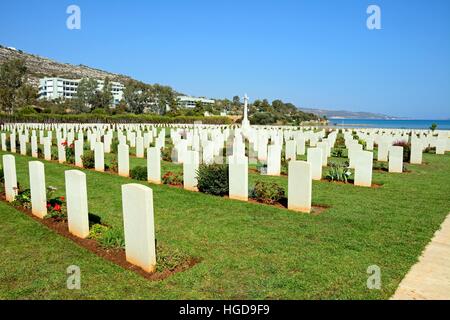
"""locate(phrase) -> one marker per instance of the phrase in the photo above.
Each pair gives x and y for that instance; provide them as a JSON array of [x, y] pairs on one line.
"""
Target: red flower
[[62, 198], [57, 207], [48, 205], [64, 143]]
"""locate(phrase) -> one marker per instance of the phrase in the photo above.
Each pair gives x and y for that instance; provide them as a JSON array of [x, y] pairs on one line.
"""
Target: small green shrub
[[338, 172], [213, 179], [114, 165], [172, 178], [70, 152], [97, 230], [267, 192], [88, 159], [23, 198], [139, 173], [169, 259], [378, 165], [112, 238], [431, 150], [115, 146], [166, 154], [2, 176], [338, 152]]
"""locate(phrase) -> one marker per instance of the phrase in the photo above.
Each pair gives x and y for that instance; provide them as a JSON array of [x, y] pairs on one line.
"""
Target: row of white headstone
[[137, 205]]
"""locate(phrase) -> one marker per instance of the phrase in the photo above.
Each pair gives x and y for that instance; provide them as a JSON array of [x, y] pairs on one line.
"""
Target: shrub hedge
[[104, 118]]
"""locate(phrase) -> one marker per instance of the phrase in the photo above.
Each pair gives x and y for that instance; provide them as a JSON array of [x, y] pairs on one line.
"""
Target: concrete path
[[429, 279]]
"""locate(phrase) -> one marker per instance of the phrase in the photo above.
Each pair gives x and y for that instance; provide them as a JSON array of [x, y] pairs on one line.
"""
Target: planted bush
[[171, 178], [338, 152], [70, 152], [88, 159], [166, 154], [23, 198], [56, 206], [213, 179], [267, 192], [139, 173], [338, 172], [112, 238]]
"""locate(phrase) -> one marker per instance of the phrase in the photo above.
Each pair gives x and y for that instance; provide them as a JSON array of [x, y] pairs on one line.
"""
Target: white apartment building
[[189, 102], [53, 88]]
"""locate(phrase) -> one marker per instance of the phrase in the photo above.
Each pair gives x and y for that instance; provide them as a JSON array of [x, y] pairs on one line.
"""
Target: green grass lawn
[[247, 250]]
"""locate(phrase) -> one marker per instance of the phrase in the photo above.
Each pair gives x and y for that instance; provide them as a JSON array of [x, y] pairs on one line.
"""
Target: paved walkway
[[429, 279]]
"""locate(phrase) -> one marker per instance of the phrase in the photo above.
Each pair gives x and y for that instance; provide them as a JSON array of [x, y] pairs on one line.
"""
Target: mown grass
[[247, 250]]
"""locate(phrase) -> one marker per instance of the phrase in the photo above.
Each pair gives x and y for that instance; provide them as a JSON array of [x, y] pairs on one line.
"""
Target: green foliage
[[105, 118], [23, 198], [2, 176], [97, 231], [172, 178], [213, 179], [338, 172], [363, 143], [112, 238], [431, 150], [379, 165], [86, 94], [13, 84], [340, 141], [105, 97], [139, 173], [169, 259], [267, 192], [88, 159], [99, 111], [339, 152], [70, 152], [166, 153], [114, 165], [27, 110], [433, 126]]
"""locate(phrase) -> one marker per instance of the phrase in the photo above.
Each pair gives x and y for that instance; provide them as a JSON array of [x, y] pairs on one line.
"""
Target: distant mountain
[[39, 67], [348, 114]]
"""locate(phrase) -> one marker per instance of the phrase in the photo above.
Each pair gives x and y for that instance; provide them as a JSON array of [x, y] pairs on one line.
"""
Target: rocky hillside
[[343, 114], [39, 67]]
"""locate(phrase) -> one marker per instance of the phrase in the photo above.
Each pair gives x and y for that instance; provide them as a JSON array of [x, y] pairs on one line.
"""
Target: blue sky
[[313, 53]]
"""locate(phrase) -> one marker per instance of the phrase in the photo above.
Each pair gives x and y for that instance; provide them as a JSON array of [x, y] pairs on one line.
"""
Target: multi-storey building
[[54, 88], [189, 102]]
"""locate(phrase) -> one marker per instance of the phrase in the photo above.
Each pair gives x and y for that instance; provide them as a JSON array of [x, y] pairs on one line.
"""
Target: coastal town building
[[54, 88], [189, 102]]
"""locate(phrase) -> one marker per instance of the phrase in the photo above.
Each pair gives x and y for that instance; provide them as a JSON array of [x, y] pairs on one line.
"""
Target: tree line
[[17, 96]]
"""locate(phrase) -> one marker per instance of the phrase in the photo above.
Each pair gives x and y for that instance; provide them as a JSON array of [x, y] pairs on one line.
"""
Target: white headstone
[[238, 177], [314, 158], [396, 159], [299, 186], [154, 165], [363, 161], [77, 205], [99, 157], [190, 167], [123, 160], [139, 229], [79, 153], [416, 152], [10, 177], [37, 189]]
